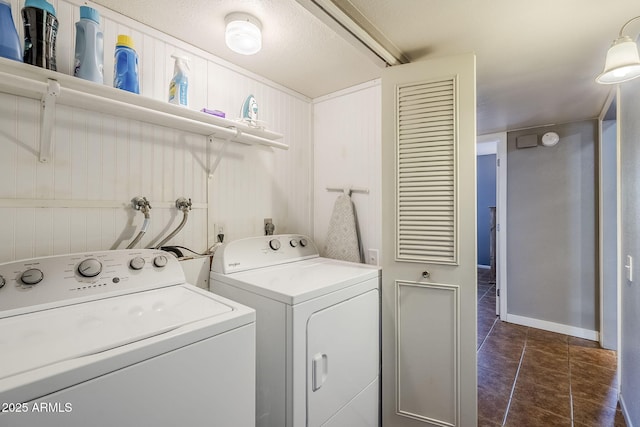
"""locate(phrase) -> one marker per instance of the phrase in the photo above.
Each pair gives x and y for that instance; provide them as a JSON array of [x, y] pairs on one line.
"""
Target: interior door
[[429, 243]]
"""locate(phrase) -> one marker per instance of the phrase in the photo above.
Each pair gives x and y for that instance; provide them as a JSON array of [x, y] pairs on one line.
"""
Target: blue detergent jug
[[9, 40], [125, 73]]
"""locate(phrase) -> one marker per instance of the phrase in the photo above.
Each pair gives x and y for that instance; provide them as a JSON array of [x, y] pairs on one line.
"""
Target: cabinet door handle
[[320, 370]]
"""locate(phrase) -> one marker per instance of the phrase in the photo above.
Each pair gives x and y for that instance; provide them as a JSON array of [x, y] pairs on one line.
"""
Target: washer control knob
[[160, 261], [136, 263], [303, 242], [293, 243], [2, 282], [274, 244], [90, 267], [32, 276]]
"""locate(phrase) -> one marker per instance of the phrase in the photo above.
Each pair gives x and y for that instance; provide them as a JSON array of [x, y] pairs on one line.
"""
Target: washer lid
[[300, 281], [46, 337]]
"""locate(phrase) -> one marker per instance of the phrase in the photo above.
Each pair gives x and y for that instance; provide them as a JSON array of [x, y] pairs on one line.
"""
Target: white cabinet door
[[342, 355]]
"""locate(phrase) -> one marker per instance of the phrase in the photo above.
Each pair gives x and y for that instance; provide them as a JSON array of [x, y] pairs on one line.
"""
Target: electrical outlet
[[219, 229], [372, 257]]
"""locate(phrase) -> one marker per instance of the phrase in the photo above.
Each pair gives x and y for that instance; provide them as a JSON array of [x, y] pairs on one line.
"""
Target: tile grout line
[[485, 293], [487, 336], [492, 325], [513, 387], [570, 382]]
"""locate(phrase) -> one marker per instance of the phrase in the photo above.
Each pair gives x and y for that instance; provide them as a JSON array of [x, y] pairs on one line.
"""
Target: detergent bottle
[[89, 51], [125, 73], [179, 86], [40, 33], [9, 40]]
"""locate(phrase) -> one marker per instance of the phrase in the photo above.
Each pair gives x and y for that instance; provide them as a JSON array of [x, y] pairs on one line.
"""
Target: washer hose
[[184, 205], [143, 229]]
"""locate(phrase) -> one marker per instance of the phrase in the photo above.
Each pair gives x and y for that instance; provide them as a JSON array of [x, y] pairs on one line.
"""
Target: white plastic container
[[179, 86], [89, 56]]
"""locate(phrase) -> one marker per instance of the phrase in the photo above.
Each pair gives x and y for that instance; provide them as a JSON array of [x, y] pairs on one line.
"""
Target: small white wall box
[[527, 141]]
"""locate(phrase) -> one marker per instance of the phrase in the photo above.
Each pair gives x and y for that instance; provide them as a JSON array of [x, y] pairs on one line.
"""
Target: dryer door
[[342, 356]]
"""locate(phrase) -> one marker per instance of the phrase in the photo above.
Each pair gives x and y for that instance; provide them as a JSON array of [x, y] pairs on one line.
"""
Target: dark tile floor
[[530, 377]]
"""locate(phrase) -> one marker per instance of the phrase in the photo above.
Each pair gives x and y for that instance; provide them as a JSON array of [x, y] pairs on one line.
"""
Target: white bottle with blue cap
[[89, 57]]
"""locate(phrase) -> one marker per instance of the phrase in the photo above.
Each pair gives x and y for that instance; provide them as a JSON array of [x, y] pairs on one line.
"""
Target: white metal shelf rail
[[56, 88]]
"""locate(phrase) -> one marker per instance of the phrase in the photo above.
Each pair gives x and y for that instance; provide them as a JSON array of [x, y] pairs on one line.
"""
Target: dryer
[[317, 330], [116, 338]]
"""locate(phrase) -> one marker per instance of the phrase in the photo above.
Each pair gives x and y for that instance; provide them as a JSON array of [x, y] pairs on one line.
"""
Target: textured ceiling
[[536, 60]]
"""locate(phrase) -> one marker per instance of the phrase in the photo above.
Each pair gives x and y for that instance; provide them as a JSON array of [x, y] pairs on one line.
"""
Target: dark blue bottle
[[125, 70], [40, 33]]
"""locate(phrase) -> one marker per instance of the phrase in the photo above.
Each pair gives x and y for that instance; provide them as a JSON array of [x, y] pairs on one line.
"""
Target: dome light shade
[[243, 33], [622, 62]]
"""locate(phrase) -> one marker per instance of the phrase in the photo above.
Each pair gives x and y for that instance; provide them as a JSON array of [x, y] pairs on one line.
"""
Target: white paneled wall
[[347, 145], [81, 200]]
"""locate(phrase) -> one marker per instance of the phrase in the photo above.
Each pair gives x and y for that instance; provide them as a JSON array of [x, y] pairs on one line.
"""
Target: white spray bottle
[[178, 88]]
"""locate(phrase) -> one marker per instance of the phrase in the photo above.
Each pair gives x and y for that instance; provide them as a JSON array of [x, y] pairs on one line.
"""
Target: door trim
[[613, 95]]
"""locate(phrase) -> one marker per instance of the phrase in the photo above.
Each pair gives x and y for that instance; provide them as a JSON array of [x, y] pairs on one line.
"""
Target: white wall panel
[[61, 224], [8, 130], [27, 139], [62, 165], [110, 160], [347, 140], [8, 231]]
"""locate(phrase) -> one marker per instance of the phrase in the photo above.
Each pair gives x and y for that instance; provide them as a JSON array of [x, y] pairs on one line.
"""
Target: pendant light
[[243, 33], [622, 62]]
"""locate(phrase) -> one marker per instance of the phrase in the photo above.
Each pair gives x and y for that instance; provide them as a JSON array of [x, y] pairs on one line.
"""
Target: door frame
[[500, 141], [601, 336]]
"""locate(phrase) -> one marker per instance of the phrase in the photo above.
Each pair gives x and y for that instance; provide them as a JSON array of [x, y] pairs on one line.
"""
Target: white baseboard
[[484, 267], [625, 412], [553, 327]]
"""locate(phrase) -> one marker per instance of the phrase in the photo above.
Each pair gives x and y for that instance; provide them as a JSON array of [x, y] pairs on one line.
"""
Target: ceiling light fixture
[[622, 61], [243, 33]]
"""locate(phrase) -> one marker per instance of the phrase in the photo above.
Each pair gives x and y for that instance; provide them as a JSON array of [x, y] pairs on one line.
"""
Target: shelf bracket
[[48, 116], [228, 139]]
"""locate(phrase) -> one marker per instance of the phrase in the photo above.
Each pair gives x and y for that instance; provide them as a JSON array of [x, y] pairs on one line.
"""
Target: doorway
[[491, 168]]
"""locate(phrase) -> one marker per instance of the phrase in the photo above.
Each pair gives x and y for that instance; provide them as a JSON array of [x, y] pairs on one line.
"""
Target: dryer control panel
[[47, 282], [258, 252]]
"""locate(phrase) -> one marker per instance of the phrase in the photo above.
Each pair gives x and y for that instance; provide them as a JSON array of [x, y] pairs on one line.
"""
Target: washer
[[118, 338], [318, 330]]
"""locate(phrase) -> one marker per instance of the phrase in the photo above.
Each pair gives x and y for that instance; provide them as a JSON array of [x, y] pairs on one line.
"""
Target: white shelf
[[56, 88]]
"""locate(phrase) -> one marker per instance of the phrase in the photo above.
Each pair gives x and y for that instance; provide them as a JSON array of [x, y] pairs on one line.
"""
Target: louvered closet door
[[425, 171], [429, 243]]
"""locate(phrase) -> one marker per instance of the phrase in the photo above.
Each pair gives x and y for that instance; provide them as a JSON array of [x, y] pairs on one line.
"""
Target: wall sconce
[[243, 33], [622, 61]]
